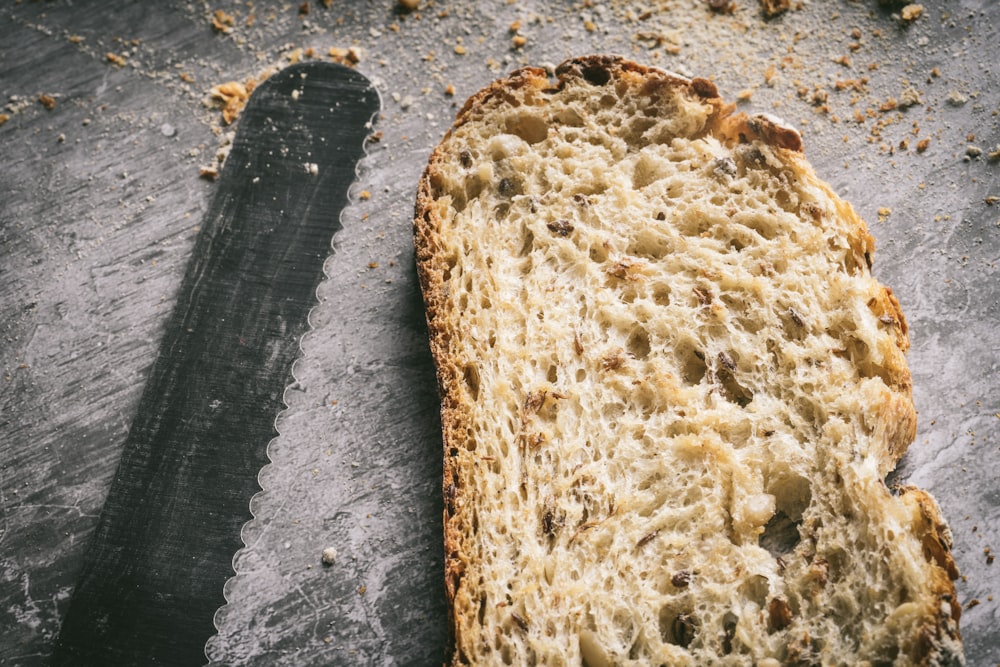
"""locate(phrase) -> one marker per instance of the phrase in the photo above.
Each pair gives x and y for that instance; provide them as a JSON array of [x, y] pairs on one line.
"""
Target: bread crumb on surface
[[349, 56], [231, 97], [223, 22], [773, 8], [329, 556], [911, 13]]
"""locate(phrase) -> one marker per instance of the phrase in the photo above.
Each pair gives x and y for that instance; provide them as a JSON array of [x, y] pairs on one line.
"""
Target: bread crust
[[938, 639]]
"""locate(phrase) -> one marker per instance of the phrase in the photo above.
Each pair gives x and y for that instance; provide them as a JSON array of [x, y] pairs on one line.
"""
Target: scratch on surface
[[46, 506], [313, 606], [4, 520]]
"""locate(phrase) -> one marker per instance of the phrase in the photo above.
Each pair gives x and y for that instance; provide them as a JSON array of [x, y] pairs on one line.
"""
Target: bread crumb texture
[[671, 389]]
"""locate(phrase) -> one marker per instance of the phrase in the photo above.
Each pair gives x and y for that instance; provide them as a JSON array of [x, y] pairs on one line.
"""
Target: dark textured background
[[100, 203]]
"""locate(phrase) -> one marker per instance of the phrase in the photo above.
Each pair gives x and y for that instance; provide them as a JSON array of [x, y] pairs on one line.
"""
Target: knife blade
[[154, 572]]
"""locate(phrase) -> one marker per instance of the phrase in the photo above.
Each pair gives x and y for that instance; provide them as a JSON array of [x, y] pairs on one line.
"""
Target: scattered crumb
[[115, 59], [956, 99], [772, 8], [911, 13], [350, 56], [47, 101], [364, 195], [449, 90], [209, 172], [909, 97], [884, 213], [519, 41], [223, 22], [372, 265], [4, 117], [329, 556], [312, 168], [922, 145], [973, 151], [992, 156], [231, 97], [744, 95], [770, 74], [408, 5]]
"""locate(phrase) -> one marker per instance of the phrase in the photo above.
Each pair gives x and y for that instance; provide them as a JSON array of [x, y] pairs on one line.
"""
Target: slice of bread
[[671, 390]]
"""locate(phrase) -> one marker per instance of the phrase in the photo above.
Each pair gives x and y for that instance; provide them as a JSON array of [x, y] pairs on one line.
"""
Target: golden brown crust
[[897, 419]]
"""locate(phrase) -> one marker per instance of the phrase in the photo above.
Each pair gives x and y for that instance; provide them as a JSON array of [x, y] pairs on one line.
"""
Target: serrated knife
[[154, 573]]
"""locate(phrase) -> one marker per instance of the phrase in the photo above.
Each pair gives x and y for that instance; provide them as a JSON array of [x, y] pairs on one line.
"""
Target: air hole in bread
[[552, 375], [628, 293], [635, 128], [692, 364], [765, 226], [661, 295], [733, 391], [533, 129], [482, 609], [473, 188], [756, 589], [638, 344], [677, 627], [749, 324], [471, 375], [792, 493], [568, 117], [599, 254], [592, 654], [527, 246], [596, 75], [780, 536], [786, 201], [650, 244], [729, 622]]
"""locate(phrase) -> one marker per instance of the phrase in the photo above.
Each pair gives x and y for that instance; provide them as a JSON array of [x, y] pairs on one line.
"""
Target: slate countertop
[[106, 131]]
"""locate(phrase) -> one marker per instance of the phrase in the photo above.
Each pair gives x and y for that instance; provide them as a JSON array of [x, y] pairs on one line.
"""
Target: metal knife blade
[[163, 548]]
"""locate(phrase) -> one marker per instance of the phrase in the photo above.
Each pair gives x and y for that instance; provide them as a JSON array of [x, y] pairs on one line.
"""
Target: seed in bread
[[671, 389]]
